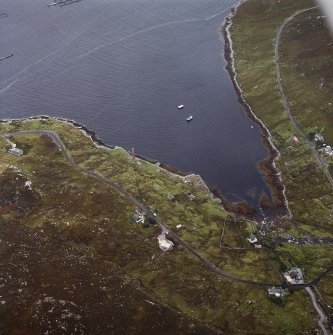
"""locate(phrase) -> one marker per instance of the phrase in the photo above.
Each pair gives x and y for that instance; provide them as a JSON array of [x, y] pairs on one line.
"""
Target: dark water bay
[[121, 67]]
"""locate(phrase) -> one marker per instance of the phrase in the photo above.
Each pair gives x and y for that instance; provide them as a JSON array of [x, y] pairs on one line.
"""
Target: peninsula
[[95, 240]]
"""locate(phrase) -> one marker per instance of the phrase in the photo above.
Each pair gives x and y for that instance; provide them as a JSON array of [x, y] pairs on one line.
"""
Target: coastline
[[268, 165], [274, 204], [241, 209]]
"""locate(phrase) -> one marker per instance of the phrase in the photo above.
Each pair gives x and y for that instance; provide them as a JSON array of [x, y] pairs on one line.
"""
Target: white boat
[[189, 118], [180, 106]]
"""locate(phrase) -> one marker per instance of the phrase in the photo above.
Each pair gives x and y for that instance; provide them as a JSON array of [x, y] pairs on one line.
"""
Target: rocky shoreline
[[267, 166], [279, 208], [239, 209]]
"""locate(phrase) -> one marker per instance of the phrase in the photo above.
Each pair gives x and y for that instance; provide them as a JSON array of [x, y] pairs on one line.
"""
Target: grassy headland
[[71, 258], [253, 33], [305, 53]]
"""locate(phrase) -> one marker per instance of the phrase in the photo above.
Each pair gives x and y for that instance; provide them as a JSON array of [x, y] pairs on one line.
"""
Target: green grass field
[[254, 61], [306, 63], [73, 255], [68, 249]]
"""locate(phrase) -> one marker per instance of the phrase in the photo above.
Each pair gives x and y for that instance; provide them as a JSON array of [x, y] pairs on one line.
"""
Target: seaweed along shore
[[272, 176], [239, 209]]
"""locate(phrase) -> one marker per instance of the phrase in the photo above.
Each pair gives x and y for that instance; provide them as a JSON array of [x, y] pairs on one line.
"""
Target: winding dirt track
[[322, 316], [322, 164], [285, 102], [56, 139]]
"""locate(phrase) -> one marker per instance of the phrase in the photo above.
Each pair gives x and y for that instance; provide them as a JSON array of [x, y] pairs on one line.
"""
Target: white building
[[318, 137], [276, 292], [328, 150], [164, 243], [252, 239], [15, 151]]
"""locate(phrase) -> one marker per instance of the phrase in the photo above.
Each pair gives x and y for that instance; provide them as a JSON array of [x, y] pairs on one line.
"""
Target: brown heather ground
[[72, 263]]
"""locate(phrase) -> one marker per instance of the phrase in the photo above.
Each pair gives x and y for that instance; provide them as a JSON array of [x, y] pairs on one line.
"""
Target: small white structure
[[328, 150], [28, 184], [258, 246], [252, 239], [178, 226], [190, 196], [276, 292], [180, 106], [318, 137], [294, 276], [15, 151], [164, 243]]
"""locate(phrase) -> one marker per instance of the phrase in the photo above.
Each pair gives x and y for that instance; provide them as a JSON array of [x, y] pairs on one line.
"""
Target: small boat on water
[[3, 58], [180, 106], [188, 119]]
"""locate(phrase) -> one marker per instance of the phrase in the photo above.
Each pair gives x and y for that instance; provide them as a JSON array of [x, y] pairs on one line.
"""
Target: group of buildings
[[164, 243], [327, 149], [294, 276], [254, 241]]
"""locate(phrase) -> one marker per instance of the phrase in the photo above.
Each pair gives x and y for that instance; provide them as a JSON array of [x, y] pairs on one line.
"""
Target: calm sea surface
[[121, 67]]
